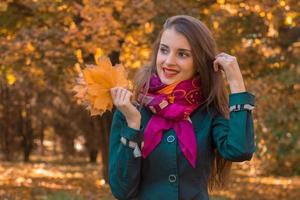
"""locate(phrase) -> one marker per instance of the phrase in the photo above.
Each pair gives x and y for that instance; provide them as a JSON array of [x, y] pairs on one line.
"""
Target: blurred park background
[[50, 147]]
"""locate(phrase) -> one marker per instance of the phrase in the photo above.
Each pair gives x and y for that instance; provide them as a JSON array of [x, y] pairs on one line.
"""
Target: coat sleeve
[[234, 137], [124, 161]]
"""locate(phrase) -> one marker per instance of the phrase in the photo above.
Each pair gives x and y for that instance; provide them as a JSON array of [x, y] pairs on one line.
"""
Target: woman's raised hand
[[230, 66], [122, 100]]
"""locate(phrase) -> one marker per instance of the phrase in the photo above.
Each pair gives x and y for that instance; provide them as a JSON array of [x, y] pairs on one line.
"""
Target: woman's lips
[[169, 73]]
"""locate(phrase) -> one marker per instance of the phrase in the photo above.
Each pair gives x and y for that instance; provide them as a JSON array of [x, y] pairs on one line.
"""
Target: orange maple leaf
[[94, 84]]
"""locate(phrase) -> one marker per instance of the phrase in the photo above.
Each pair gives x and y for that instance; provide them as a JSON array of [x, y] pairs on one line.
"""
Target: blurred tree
[[34, 64], [43, 44]]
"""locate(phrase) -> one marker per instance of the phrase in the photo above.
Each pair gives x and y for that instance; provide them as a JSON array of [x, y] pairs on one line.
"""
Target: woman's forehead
[[173, 39]]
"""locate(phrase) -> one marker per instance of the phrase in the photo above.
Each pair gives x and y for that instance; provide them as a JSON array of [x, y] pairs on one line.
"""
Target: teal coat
[[165, 174]]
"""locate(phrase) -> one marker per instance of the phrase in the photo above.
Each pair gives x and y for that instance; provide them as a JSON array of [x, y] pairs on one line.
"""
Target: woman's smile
[[170, 72]]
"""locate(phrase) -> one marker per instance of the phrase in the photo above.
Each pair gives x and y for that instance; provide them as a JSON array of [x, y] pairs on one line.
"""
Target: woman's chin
[[167, 81]]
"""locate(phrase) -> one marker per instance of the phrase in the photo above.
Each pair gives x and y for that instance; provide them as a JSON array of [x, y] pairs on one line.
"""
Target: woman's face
[[174, 61]]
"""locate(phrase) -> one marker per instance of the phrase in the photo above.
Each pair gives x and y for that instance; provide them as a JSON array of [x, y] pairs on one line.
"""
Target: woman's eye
[[163, 50], [183, 54]]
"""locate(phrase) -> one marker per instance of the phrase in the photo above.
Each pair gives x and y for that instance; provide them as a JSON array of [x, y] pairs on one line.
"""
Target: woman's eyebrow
[[180, 49], [184, 50], [164, 45]]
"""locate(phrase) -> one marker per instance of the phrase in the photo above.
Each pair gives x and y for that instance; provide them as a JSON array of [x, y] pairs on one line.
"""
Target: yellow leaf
[[30, 47], [11, 78], [94, 84], [78, 54], [98, 54], [149, 27], [221, 1]]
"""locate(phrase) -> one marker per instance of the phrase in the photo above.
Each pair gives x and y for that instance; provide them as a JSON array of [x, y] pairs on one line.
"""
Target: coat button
[[170, 138], [172, 178]]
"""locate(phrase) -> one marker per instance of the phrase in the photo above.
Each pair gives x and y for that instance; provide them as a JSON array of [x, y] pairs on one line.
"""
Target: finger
[[218, 64], [123, 94], [215, 65], [111, 91], [127, 96], [219, 55], [119, 95], [222, 54], [226, 57], [113, 94]]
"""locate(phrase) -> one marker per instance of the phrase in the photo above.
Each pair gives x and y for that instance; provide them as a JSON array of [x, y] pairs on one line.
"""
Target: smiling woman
[[181, 136], [174, 59]]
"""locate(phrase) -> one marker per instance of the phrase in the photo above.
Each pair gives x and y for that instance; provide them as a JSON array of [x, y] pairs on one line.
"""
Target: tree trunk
[[6, 135], [42, 136], [106, 120], [27, 151], [28, 131], [93, 153]]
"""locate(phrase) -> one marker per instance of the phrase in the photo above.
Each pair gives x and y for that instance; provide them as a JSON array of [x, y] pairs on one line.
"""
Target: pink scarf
[[172, 105]]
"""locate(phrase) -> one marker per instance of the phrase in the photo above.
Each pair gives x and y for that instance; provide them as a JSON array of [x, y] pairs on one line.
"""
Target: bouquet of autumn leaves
[[94, 83]]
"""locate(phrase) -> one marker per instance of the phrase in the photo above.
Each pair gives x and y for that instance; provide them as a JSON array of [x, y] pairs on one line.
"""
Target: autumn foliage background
[[50, 146]]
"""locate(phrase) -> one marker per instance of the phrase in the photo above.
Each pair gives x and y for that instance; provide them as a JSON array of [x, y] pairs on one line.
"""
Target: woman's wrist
[[134, 122], [237, 86]]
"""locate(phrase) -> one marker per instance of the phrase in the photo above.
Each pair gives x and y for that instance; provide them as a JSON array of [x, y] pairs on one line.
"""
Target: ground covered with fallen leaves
[[80, 180]]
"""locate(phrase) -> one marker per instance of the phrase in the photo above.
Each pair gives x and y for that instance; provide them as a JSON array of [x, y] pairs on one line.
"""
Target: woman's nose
[[170, 60]]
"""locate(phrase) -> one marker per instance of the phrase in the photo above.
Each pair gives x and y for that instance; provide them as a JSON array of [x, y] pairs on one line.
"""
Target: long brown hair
[[204, 50]]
